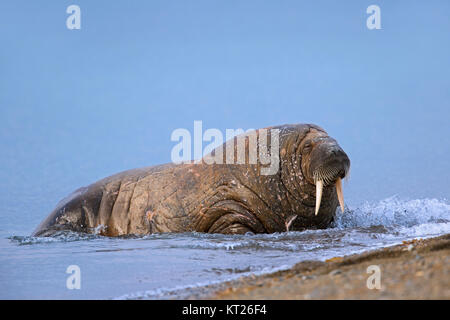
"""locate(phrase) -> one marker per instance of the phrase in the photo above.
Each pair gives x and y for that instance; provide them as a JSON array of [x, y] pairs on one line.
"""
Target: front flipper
[[232, 217], [231, 224]]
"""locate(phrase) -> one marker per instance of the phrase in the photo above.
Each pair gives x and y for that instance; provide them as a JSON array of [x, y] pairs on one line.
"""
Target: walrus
[[236, 198]]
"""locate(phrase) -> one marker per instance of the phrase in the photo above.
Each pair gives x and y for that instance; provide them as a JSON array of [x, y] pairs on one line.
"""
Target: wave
[[61, 236]]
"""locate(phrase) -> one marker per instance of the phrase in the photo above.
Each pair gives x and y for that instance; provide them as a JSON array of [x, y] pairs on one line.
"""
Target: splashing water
[[393, 212]]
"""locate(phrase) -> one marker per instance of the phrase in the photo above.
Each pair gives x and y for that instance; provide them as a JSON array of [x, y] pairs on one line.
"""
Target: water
[[166, 265], [79, 105]]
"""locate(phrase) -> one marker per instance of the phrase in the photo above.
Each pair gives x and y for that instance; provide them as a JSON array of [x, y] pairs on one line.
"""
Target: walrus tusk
[[340, 194], [319, 187]]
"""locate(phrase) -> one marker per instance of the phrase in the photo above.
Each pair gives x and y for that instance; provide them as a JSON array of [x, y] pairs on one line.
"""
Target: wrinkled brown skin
[[217, 198]]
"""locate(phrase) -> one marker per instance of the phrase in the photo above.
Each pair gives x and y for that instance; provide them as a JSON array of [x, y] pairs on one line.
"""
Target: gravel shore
[[417, 269]]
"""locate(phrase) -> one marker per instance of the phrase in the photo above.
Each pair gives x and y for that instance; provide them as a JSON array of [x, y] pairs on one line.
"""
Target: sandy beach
[[417, 269]]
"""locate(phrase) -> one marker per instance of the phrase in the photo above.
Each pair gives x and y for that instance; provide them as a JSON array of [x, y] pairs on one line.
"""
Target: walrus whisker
[[327, 175]]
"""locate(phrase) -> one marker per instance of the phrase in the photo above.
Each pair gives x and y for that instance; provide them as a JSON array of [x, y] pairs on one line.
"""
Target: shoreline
[[415, 269]]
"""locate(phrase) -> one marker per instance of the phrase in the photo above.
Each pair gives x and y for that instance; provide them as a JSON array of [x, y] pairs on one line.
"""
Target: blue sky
[[78, 105]]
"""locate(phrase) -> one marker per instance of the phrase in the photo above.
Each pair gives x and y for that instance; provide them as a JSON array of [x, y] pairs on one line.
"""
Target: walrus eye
[[307, 147]]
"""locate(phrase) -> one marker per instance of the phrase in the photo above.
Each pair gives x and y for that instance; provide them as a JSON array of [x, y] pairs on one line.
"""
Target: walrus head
[[324, 163]]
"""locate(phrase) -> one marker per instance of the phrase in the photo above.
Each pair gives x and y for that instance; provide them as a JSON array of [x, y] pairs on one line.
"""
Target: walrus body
[[215, 198]]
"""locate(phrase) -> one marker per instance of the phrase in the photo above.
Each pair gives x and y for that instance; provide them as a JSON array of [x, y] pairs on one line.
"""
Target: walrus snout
[[329, 164], [335, 166]]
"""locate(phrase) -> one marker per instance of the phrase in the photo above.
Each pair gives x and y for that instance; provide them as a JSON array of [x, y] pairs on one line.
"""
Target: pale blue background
[[76, 106]]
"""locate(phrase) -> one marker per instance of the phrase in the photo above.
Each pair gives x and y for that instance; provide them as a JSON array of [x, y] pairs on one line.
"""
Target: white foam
[[394, 212], [62, 236]]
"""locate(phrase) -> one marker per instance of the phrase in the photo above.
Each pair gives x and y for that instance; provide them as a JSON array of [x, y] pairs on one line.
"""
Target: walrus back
[[102, 207], [53, 223]]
